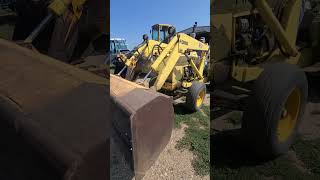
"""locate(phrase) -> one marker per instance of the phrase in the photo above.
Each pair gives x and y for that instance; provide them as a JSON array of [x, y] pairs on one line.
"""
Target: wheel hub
[[200, 98], [289, 115], [284, 113]]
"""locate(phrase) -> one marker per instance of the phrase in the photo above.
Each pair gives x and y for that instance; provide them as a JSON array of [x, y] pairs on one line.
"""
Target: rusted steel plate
[[62, 111], [144, 118]]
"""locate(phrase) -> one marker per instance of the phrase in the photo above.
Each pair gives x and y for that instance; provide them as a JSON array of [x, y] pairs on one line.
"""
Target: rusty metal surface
[[99, 15], [96, 64], [62, 110], [71, 36], [64, 37], [144, 118]]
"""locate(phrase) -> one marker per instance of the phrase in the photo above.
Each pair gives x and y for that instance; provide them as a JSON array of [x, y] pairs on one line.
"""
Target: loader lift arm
[[57, 8], [180, 44], [168, 55], [285, 30], [147, 48]]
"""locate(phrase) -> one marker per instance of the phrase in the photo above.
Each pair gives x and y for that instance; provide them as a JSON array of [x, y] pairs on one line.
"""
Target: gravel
[[171, 164]]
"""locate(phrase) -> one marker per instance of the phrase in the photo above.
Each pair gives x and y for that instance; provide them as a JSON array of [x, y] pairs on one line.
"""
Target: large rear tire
[[276, 109], [196, 96]]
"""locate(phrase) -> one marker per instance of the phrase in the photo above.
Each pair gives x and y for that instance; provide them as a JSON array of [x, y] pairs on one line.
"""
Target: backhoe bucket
[[144, 120]]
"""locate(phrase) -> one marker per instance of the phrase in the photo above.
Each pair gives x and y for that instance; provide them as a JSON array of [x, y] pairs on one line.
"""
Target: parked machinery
[[261, 53]]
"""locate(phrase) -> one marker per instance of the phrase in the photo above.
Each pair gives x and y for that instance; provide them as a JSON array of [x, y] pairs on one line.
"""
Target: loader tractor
[[171, 63], [168, 66], [53, 104], [262, 52]]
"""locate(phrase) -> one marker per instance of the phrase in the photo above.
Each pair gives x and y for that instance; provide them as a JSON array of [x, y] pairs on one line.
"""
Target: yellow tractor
[[262, 51], [64, 113], [171, 63], [168, 66]]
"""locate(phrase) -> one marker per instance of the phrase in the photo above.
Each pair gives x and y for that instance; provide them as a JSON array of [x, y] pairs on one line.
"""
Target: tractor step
[[312, 69], [228, 96], [228, 100], [218, 112]]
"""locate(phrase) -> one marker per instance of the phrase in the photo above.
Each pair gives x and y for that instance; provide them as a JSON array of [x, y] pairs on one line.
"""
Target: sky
[[130, 19]]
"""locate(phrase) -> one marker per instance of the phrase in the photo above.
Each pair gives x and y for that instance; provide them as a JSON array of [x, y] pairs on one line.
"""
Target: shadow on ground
[[228, 150], [121, 160], [314, 88], [180, 109]]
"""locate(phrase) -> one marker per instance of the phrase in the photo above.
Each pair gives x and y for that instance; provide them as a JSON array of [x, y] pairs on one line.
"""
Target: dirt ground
[[310, 128], [171, 164]]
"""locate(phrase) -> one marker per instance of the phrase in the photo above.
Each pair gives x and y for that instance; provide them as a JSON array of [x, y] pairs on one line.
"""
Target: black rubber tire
[[193, 94], [264, 109], [221, 72]]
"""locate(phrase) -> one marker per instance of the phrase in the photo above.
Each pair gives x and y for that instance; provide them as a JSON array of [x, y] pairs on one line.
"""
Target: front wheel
[[196, 96]]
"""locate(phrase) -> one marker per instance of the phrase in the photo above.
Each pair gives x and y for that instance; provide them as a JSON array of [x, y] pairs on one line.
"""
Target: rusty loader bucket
[[60, 111], [144, 120]]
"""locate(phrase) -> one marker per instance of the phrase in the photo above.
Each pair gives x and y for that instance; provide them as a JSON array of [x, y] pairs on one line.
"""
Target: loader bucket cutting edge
[[144, 120]]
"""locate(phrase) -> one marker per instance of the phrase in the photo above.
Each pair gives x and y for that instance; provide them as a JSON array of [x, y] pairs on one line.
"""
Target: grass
[[235, 118], [6, 24], [6, 31], [307, 151], [197, 138]]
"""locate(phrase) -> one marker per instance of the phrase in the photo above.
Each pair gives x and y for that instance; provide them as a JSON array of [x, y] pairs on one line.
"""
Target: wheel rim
[[289, 115], [200, 98]]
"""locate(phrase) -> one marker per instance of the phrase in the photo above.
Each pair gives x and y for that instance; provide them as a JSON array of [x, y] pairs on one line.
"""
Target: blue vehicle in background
[[117, 45]]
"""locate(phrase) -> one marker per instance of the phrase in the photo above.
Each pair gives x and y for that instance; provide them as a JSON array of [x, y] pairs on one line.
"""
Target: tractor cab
[[118, 45], [162, 32]]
